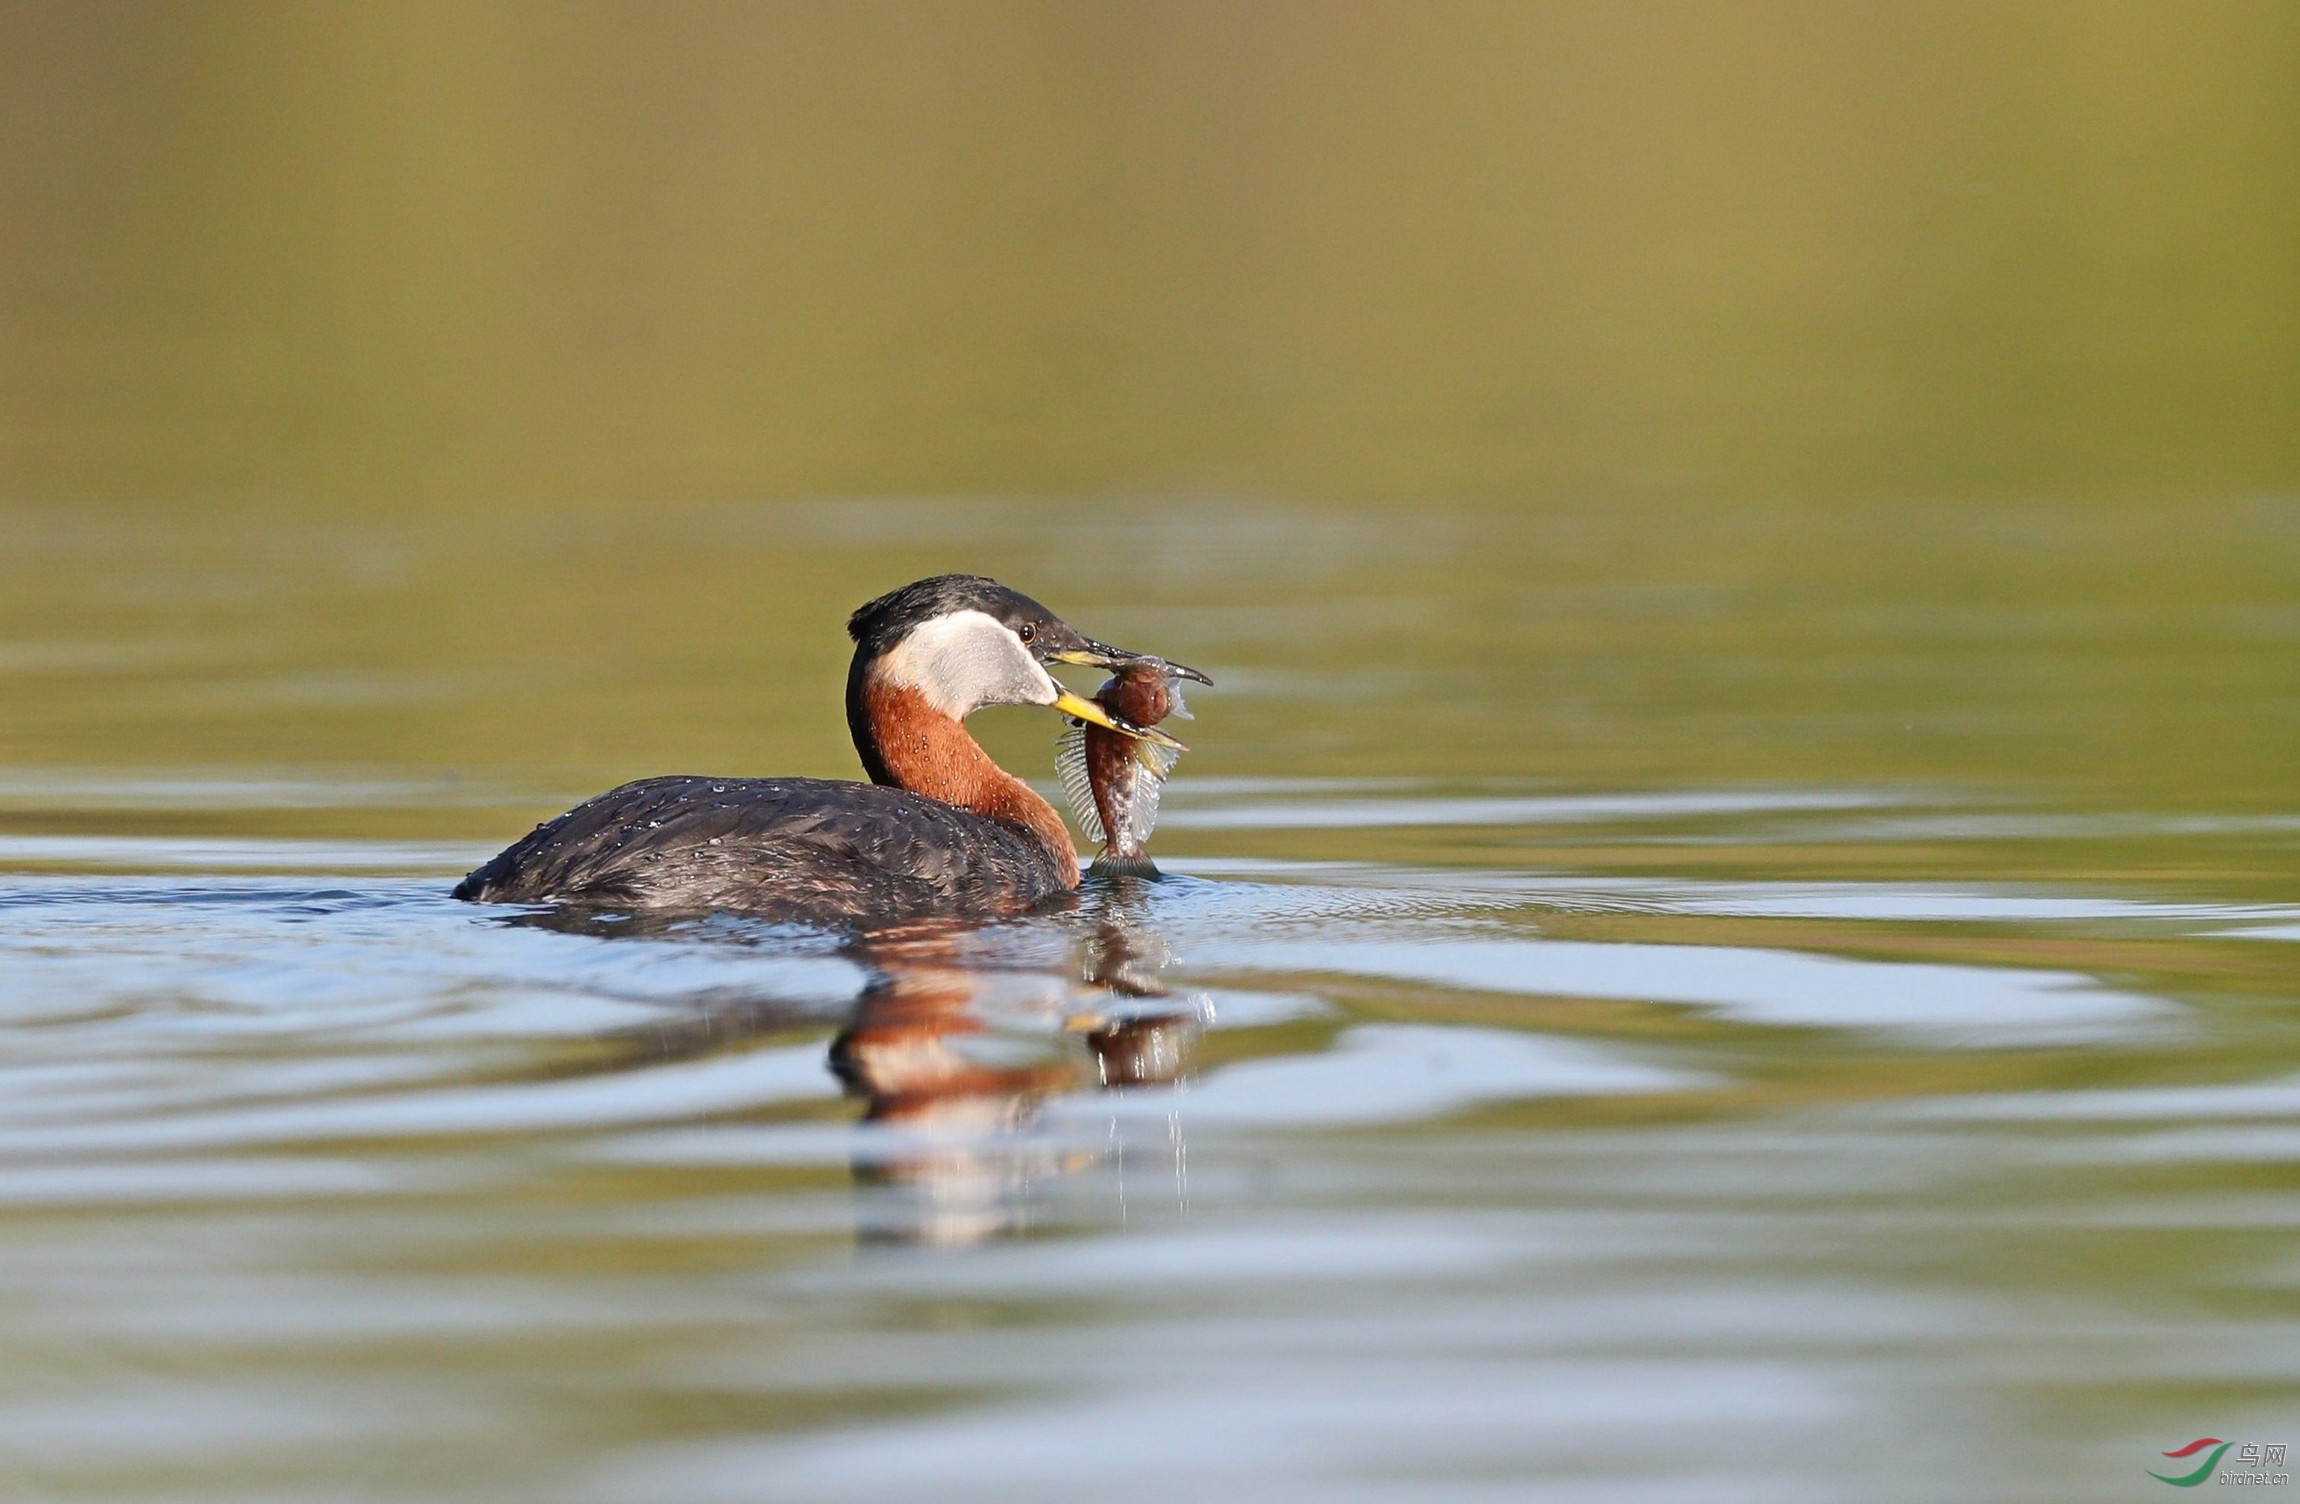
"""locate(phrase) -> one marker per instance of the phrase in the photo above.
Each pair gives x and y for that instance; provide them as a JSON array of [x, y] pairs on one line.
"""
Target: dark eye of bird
[[1029, 631]]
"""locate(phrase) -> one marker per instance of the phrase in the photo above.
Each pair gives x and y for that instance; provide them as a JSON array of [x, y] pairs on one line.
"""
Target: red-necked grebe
[[939, 829]]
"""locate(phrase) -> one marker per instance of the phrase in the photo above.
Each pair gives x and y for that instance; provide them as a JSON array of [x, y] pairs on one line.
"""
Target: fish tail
[[1136, 864]]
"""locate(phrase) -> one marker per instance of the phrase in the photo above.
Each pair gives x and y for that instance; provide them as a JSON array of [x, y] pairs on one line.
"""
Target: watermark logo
[[2255, 1464]]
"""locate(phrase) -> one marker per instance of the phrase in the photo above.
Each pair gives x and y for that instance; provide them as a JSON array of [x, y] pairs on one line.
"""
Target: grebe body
[[800, 847]]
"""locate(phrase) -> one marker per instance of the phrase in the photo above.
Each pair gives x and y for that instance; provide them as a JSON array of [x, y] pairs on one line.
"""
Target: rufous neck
[[904, 741]]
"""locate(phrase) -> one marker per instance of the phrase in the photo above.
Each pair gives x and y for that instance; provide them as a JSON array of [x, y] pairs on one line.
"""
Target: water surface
[[1641, 1024]]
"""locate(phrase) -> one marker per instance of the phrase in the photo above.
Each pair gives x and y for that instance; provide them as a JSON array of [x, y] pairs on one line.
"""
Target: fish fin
[[1107, 865], [1142, 810], [1159, 760], [1078, 783], [1180, 712]]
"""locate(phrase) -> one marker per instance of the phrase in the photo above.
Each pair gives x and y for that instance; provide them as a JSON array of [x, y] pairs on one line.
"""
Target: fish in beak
[[1059, 642]]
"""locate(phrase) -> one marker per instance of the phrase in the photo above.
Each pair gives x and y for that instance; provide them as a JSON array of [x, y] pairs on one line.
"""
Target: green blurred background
[[1607, 392]]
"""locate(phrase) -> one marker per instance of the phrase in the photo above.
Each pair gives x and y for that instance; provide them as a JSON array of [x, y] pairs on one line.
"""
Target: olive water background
[[1735, 917]]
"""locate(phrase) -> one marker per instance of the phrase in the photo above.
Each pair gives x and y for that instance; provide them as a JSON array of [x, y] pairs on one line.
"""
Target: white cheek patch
[[964, 661]]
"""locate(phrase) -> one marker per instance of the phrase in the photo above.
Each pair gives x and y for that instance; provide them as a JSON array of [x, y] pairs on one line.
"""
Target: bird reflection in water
[[955, 1060], [964, 1032]]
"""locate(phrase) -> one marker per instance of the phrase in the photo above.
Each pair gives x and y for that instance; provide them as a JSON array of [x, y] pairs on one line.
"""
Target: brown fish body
[[1140, 693], [1115, 780]]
